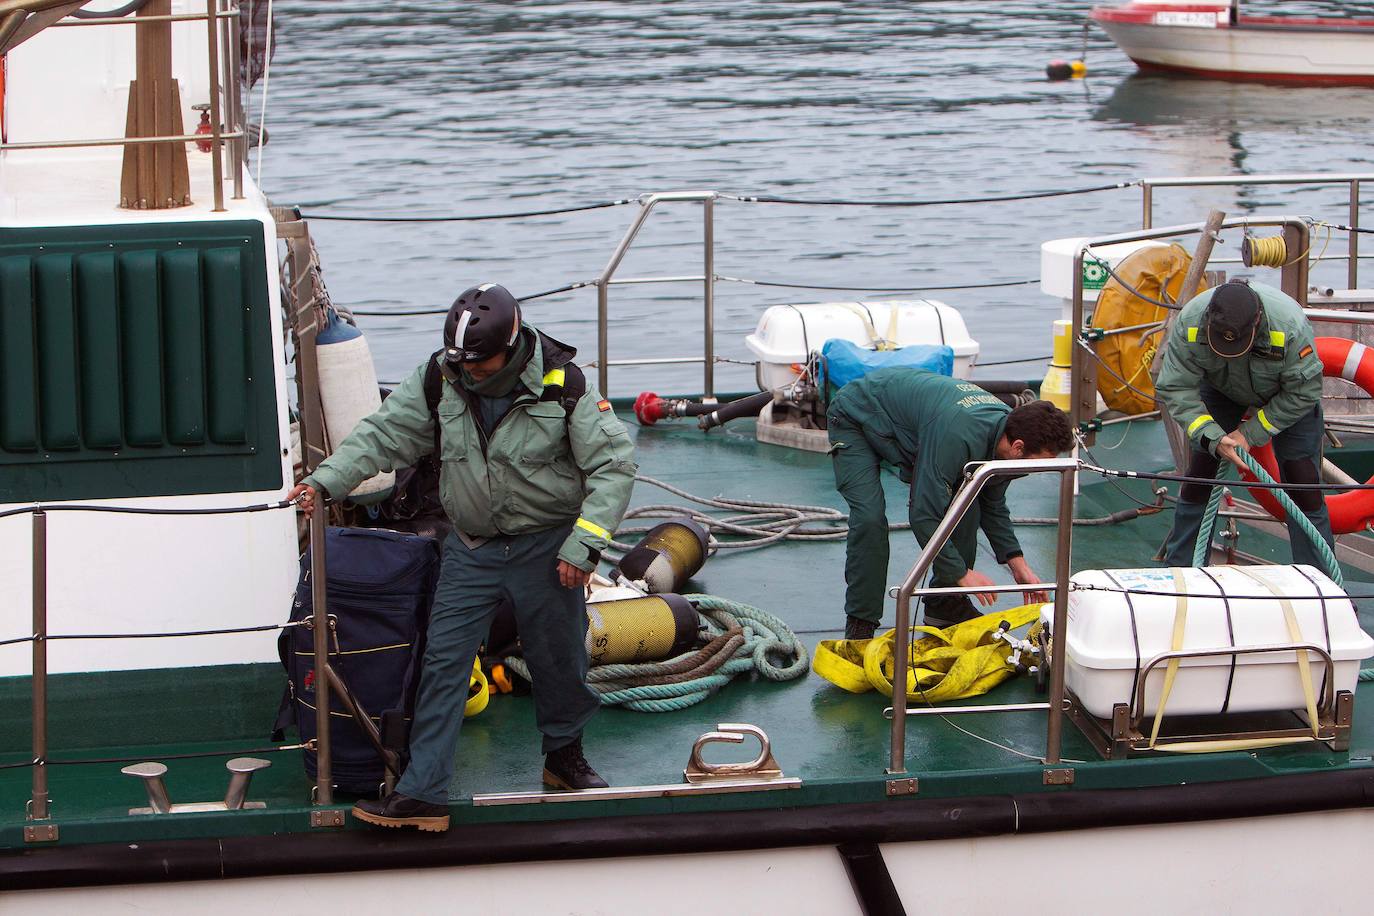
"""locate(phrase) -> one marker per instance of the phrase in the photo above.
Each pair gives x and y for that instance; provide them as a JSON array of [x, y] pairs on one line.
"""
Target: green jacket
[[541, 468], [930, 426], [1281, 376]]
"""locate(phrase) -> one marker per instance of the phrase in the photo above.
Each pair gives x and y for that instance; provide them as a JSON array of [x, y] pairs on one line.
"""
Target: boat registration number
[[1191, 20]]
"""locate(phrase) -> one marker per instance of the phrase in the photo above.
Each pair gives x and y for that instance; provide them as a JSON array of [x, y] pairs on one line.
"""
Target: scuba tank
[[669, 555], [633, 630]]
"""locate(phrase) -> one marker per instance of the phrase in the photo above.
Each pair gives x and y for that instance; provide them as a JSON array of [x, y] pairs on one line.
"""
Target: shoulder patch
[[603, 405], [1304, 352]]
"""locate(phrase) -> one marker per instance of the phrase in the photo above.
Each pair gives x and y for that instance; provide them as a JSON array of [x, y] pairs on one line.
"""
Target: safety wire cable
[[933, 202]]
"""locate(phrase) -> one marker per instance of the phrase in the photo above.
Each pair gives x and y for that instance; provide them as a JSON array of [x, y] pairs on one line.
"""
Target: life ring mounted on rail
[[1350, 512]]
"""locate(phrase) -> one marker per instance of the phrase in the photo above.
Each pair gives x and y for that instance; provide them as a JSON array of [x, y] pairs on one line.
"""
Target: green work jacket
[[1281, 376], [540, 467], [930, 426]]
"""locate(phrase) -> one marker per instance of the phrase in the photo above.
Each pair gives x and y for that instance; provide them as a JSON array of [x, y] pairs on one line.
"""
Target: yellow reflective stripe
[[1193, 426], [593, 528], [1270, 428], [1276, 338], [1192, 335], [554, 377]]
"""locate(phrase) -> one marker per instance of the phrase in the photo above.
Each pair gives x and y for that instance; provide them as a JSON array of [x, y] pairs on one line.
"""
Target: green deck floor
[[836, 742]]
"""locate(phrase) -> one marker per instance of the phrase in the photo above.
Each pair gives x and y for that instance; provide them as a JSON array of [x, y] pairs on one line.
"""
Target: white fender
[[349, 392]]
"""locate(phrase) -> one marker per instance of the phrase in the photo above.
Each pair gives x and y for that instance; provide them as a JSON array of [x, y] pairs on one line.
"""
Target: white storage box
[[786, 334], [1110, 638]]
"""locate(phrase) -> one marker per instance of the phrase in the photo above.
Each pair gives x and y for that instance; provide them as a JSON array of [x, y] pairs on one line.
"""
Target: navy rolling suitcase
[[381, 584]]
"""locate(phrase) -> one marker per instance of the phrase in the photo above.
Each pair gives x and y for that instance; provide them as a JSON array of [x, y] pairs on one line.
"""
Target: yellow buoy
[[1058, 379]]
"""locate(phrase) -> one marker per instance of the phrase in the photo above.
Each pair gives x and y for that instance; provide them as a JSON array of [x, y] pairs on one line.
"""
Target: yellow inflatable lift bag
[[479, 694], [1157, 272], [950, 664]]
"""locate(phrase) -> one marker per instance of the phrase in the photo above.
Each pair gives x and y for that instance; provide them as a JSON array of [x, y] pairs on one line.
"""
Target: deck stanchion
[[1353, 251], [709, 293], [1062, 570], [319, 594], [216, 132], [38, 805], [233, 100], [1147, 205]]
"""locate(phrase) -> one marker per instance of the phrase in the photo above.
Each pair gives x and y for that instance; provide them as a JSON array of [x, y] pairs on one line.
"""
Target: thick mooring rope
[[741, 639], [1328, 557]]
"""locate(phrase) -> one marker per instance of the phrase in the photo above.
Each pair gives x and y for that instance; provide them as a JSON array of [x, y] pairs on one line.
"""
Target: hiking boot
[[397, 810], [858, 628], [566, 768], [947, 610]]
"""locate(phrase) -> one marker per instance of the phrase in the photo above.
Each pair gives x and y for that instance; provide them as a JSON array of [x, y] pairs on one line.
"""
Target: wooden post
[[155, 176]]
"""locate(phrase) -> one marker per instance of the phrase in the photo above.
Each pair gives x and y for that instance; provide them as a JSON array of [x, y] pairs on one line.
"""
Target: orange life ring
[[1350, 512]]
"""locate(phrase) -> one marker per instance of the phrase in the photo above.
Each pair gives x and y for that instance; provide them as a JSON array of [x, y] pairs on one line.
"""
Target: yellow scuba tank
[[669, 555], [632, 630]]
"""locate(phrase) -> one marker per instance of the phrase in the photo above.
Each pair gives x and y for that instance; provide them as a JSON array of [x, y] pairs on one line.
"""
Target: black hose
[[133, 6], [744, 407]]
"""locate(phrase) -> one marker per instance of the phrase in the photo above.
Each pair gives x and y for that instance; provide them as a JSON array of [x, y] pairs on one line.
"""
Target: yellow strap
[[1264, 421], [478, 692], [1192, 335], [593, 528], [1175, 644], [1294, 635], [554, 377], [1276, 338], [1202, 418], [1244, 744]]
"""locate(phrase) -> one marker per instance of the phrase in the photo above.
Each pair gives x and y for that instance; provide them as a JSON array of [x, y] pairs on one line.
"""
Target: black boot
[[566, 768], [397, 810], [947, 610], [858, 628]]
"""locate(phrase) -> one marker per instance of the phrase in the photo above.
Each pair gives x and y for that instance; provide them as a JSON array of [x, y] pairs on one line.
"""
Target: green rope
[[1209, 518], [762, 643]]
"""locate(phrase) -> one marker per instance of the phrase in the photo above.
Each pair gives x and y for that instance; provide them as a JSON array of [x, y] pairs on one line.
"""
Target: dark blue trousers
[[553, 632], [1298, 450]]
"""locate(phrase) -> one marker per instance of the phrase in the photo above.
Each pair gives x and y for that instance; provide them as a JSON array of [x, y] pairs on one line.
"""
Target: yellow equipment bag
[[950, 664], [1156, 272]]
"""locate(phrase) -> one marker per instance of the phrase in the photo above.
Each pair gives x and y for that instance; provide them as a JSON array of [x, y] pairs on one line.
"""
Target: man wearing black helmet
[[1236, 350], [536, 472]]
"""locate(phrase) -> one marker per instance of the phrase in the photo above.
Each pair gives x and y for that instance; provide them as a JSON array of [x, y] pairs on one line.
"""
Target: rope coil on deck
[[741, 639]]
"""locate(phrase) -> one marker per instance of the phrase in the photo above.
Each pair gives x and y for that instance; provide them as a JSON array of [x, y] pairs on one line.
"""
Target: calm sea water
[[429, 107]]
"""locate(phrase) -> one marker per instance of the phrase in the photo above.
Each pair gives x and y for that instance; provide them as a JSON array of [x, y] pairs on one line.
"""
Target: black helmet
[[482, 322]]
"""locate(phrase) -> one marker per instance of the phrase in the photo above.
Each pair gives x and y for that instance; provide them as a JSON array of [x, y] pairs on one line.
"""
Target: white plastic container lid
[[787, 333]]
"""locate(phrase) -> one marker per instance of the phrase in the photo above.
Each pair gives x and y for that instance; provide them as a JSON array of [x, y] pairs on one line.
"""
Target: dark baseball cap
[[1232, 319]]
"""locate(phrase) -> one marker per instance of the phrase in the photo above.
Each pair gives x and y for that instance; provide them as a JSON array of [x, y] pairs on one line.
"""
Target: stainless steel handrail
[[221, 18], [1067, 469], [1353, 179], [647, 202]]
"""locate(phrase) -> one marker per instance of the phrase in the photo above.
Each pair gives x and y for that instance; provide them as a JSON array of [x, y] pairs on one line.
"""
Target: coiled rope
[[1331, 565], [740, 639]]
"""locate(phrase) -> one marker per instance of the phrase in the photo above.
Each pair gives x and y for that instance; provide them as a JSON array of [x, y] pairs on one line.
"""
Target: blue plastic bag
[[844, 361]]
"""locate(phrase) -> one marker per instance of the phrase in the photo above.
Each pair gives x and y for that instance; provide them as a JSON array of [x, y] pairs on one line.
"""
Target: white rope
[[262, 108]]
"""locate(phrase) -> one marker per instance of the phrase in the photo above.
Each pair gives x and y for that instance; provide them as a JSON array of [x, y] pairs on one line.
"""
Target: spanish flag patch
[[603, 405], [1304, 353]]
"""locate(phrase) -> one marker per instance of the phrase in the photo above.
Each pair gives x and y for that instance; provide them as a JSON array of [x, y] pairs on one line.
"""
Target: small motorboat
[[1213, 39]]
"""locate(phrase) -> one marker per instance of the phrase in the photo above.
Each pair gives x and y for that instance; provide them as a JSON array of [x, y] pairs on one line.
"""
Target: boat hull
[[1250, 51], [1209, 866]]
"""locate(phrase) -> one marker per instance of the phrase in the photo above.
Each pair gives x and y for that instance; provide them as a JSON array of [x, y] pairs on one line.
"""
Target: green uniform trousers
[[553, 634], [858, 477]]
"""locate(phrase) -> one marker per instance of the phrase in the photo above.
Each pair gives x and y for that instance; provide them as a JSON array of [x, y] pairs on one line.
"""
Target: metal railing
[[222, 24], [1148, 185], [606, 279], [1067, 469]]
